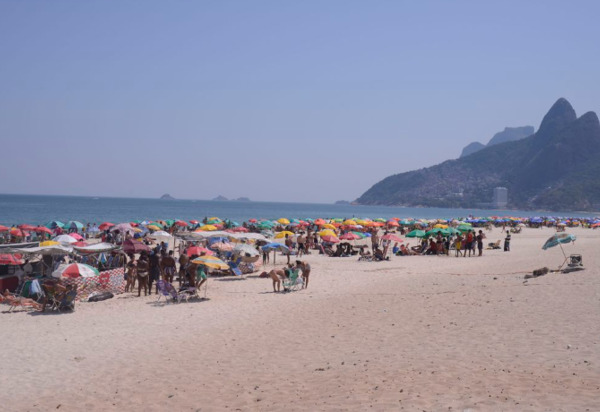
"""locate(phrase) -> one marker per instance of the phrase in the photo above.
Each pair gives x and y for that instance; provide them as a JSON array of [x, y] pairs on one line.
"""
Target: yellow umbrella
[[214, 218], [440, 226], [327, 232], [153, 227], [349, 222], [137, 230], [328, 226], [208, 228], [279, 235], [49, 243], [284, 221], [211, 262]]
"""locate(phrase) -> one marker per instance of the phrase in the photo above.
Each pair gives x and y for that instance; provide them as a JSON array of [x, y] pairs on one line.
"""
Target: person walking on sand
[[374, 240], [305, 268]]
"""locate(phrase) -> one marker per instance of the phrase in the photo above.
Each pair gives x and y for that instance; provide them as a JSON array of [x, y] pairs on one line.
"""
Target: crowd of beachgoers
[[161, 252]]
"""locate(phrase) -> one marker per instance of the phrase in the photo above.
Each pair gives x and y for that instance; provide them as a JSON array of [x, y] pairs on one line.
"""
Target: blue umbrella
[[558, 239]]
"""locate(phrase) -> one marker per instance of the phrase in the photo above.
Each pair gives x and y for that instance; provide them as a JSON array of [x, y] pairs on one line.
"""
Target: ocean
[[33, 209]]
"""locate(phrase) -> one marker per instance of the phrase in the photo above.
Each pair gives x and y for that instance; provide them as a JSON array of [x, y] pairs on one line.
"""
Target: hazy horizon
[[274, 101]]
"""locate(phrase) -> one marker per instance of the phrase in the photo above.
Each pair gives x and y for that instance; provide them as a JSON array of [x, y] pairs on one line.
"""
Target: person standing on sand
[[154, 264], [305, 267], [374, 240], [507, 241], [168, 267], [479, 239], [301, 244]]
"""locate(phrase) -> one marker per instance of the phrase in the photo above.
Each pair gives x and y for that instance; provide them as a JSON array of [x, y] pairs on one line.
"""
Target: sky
[[293, 101]]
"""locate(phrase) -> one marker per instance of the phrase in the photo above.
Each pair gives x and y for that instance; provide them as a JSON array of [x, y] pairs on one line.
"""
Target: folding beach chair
[[168, 291], [294, 282]]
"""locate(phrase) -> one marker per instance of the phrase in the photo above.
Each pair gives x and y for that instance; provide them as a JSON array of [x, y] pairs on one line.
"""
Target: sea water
[[33, 209]]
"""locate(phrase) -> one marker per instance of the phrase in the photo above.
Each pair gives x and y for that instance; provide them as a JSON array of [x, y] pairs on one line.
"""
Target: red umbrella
[[81, 243], [194, 222], [239, 229], [12, 260], [391, 236], [105, 225], [42, 229], [181, 223], [133, 246], [349, 236], [252, 221], [198, 251], [4, 228], [76, 236], [18, 232], [330, 239], [26, 227]]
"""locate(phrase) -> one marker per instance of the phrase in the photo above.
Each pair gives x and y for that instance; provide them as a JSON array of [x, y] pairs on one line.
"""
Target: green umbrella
[[444, 232], [54, 224], [464, 228], [416, 233]]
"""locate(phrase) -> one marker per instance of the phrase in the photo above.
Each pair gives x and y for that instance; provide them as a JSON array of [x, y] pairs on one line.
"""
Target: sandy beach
[[416, 333]]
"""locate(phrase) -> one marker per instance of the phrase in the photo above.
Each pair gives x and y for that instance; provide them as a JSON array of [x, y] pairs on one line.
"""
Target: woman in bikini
[[305, 267]]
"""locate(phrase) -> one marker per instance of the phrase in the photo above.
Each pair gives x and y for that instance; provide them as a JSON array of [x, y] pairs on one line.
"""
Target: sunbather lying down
[[13, 300]]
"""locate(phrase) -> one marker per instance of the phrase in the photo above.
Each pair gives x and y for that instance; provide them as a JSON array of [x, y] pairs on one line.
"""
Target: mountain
[[472, 148], [220, 198], [554, 169], [509, 134], [167, 196]]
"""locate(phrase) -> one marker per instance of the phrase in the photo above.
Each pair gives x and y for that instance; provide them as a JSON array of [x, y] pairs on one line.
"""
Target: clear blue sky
[[274, 100]]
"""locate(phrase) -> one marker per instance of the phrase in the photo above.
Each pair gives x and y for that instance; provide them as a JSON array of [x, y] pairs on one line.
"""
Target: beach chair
[[29, 289], [293, 282], [168, 291], [62, 300]]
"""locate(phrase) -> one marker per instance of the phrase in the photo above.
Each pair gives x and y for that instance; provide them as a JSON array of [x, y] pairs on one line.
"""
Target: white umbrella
[[65, 239], [160, 234], [75, 270]]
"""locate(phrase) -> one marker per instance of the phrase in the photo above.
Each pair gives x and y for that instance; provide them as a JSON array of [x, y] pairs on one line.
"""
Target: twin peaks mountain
[[556, 168]]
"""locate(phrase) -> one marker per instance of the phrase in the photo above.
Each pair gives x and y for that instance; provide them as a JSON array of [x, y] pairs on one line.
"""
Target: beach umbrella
[[327, 232], [416, 233], [283, 221], [18, 232], [27, 227], [558, 239], [280, 235], [212, 262], [361, 235], [153, 227], [222, 246], [75, 270], [392, 223], [207, 228], [4, 228], [73, 224], [54, 224], [330, 239], [349, 222], [239, 229], [76, 236], [319, 222], [133, 246], [392, 237], [11, 260], [274, 247], [49, 243], [443, 232], [42, 229], [122, 227], [65, 239], [244, 248], [106, 225], [198, 251], [160, 234], [440, 226], [350, 236], [464, 228], [181, 223]]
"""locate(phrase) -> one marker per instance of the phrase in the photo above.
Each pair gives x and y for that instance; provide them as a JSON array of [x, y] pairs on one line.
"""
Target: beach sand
[[416, 333]]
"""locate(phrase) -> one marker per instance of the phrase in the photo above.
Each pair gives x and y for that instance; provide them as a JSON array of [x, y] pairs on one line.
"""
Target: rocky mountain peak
[[560, 114]]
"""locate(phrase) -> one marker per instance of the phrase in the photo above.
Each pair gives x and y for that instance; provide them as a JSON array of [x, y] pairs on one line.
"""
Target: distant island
[[342, 202], [167, 196], [222, 198], [556, 168]]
